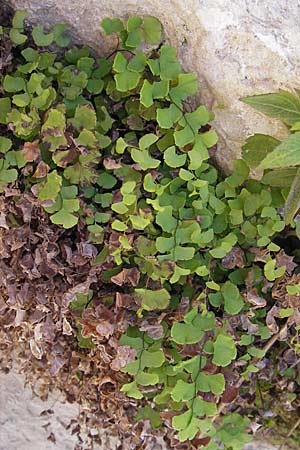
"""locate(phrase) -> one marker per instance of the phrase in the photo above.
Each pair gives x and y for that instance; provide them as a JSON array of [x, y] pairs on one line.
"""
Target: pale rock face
[[236, 48]]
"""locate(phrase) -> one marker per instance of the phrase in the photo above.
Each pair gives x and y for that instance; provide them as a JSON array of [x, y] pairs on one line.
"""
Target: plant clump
[[129, 254]]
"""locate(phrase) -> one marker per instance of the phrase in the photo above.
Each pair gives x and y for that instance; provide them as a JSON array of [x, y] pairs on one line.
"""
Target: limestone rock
[[236, 48]]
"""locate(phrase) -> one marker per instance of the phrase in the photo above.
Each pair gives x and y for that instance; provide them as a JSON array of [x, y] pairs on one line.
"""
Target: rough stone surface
[[236, 48], [22, 427]]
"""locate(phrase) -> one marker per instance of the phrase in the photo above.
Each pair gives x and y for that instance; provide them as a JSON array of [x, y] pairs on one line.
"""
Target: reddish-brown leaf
[[31, 151]]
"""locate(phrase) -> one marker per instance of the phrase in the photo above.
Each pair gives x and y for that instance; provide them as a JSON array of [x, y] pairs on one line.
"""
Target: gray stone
[[236, 48]]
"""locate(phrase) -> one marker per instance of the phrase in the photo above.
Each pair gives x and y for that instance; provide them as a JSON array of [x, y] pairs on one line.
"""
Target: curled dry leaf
[[235, 258], [255, 299], [110, 163], [282, 259], [67, 328], [35, 349], [270, 319], [154, 331], [41, 170], [3, 223], [127, 276], [31, 151], [125, 355]]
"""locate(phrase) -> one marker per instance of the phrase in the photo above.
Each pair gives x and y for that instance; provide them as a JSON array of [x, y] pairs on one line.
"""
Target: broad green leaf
[[257, 148], [224, 350], [284, 155], [181, 421], [151, 300], [280, 177], [8, 176], [118, 225], [138, 62], [156, 90], [184, 136], [281, 105], [270, 271], [183, 253], [152, 30], [198, 154], [292, 203], [133, 23], [164, 244]]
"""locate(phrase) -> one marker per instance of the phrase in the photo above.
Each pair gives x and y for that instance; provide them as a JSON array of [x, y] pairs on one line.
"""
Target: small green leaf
[[183, 333], [233, 301], [147, 140], [165, 219], [18, 19], [132, 390], [64, 218], [151, 300], [112, 25], [5, 144], [214, 383], [52, 186], [13, 84], [224, 350], [85, 117], [147, 379], [5, 108], [59, 35], [173, 159], [152, 30], [40, 38], [183, 391]]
